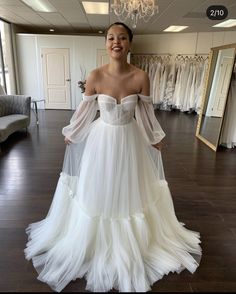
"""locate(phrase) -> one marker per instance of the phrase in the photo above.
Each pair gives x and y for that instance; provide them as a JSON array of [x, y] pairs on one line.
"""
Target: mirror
[[215, 94]]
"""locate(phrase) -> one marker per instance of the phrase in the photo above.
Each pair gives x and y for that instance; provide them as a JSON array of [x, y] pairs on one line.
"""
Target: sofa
[[14, 114]]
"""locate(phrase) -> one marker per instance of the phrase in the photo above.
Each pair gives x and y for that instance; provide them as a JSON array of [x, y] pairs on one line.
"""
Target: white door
[[102, 57], [222, 87], [56, 78]]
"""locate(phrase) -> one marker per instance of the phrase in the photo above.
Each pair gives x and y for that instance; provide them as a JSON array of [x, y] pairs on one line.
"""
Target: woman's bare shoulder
[[97, 73], [142, 79], [93, 80], [93, 75], [139, 72]]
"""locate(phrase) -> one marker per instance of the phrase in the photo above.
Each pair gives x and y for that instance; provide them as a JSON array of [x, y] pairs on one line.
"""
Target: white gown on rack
[[112, 218]]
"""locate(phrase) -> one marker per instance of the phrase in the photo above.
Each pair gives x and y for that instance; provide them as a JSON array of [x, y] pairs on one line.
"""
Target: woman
[[112, 218]]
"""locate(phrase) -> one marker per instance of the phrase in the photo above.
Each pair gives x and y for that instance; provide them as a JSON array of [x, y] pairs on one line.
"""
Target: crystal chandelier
[[134, 10]]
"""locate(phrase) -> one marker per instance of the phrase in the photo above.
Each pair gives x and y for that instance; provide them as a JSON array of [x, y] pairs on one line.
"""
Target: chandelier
[[134, 10]]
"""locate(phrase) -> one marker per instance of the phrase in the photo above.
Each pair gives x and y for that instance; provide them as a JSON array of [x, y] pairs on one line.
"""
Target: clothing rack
[[192, 56], [170, 56], [143, 54], [167, 57], [195, 54], [168, 91], [167, 54], [137, 57]]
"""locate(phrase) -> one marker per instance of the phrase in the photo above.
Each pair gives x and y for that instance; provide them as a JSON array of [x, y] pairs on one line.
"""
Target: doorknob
[[68, 80]]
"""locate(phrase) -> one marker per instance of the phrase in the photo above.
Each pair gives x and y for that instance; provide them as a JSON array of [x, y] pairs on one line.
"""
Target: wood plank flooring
[[202, 183]]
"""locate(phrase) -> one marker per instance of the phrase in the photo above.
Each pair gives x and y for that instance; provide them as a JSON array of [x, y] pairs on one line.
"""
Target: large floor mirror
[[214, 100]]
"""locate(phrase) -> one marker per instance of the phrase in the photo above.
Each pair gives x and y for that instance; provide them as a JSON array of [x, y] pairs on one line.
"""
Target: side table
[[35, 109]]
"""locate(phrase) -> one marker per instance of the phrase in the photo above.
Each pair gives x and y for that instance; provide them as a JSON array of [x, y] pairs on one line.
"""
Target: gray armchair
[[14, 114]]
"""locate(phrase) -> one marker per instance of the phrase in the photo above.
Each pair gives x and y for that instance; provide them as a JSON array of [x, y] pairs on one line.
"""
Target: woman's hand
[[158, 145], [67, 141]]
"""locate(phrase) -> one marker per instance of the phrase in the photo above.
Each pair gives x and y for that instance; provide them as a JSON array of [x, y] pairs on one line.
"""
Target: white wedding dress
[[112, 218]]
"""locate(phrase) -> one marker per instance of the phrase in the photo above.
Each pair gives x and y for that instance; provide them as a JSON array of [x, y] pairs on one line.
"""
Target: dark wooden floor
[[202, 182]]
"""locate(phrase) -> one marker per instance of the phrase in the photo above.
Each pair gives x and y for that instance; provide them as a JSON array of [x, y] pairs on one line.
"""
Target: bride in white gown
[[112, 218]]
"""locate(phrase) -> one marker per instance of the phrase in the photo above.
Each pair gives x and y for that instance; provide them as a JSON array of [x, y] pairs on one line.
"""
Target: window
[[7, 73]]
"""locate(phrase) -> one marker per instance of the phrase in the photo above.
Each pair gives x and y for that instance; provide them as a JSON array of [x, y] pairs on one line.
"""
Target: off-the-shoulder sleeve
[[147, 121], [81, 119]]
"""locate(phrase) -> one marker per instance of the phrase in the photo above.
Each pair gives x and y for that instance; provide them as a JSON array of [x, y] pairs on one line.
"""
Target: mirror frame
[[206, 91]]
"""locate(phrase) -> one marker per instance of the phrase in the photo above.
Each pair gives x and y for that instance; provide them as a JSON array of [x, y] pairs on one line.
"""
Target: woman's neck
[[118, 66]]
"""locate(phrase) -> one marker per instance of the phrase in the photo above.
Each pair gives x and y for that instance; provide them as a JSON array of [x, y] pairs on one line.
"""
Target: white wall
[[182, 43], [27, 66], [83, 52]]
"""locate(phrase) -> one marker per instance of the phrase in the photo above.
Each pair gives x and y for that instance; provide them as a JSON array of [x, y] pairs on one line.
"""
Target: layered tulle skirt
[[112, 218]]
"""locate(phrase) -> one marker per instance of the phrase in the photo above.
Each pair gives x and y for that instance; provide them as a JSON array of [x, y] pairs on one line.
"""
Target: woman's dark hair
[[129, 31]]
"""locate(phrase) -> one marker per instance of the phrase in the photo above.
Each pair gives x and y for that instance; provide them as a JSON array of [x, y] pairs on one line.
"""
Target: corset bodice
[[115, 113]]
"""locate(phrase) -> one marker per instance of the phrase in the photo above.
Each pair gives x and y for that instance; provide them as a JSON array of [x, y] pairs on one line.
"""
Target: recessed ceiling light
[[100, 32], [175, 28], [226, 24], [40, 5], [96, 7], [51, 30]]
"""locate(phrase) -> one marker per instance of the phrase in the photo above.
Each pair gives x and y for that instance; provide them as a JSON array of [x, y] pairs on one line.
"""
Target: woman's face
[[117, 42]]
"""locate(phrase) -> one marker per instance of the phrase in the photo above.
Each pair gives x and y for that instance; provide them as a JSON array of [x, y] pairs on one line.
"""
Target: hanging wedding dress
[[112, 218]]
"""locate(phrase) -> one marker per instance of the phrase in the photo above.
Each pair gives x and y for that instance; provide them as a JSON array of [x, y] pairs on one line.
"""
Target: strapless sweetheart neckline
[[143, 97], [116, 100]]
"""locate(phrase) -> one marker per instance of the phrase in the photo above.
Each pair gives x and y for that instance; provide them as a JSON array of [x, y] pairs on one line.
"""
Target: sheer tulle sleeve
[[81, 119], [146, 119]]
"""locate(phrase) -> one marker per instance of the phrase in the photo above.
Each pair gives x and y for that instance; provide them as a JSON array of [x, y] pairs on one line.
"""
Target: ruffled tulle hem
[[72, 181], [128, 254]]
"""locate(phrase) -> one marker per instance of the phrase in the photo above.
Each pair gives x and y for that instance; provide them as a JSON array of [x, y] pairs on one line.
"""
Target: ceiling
[[71, 18]]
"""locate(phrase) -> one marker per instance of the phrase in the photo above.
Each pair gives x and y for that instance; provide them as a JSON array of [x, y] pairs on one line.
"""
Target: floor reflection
[[210, 128]]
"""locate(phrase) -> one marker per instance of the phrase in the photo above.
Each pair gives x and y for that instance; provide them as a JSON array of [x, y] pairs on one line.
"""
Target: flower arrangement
[[82, 82]]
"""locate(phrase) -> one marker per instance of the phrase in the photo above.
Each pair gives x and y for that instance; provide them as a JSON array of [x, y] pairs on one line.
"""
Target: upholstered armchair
[[14, 114]]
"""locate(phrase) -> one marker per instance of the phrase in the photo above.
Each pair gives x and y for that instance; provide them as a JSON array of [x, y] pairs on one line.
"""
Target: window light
[[40, 5], [96, 7], [226, 24], [175, 28]]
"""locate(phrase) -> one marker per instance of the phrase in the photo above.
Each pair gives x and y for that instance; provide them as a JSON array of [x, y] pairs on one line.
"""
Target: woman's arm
[[89, 90], [145, 84], [91, 82], [146, 91]]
